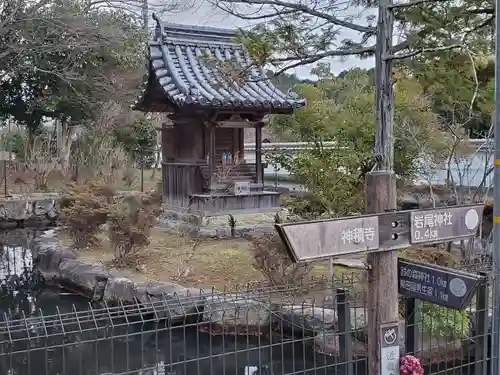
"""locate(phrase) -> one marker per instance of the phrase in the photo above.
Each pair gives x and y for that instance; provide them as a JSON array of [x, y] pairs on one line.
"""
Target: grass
[[221, 263]]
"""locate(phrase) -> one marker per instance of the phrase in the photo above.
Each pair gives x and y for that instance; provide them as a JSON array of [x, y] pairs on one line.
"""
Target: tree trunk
[[68, 136]]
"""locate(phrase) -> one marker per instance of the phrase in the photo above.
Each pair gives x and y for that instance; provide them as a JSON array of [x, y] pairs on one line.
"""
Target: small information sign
[[440, 285], [389, 349], [443, 224], [328, 238]]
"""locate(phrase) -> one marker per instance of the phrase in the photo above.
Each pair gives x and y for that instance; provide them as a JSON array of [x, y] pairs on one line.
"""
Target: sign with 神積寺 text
[[440, 285], [328, 238]]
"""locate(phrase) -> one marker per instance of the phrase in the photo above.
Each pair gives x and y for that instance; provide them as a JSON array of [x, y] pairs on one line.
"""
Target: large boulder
[[237, 314], [46, 209], [304, 320], [48, 256], [328, 343], [86, 279], [170, 301], [120, 289]]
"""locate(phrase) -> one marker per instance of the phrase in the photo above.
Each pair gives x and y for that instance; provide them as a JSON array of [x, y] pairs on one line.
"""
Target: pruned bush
[[304, 206], [129, 226], [84, 209], [272, 259]]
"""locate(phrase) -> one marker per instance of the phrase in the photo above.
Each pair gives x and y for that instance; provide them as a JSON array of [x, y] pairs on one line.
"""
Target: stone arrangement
[[237, 314], [217, 226], [34, 208]]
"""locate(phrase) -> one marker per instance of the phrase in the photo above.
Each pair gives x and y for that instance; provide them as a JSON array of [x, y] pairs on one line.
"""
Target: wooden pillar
[[382, 275], [168, 153], [258, 153], [211, 150], [235, 144], [241, 144]]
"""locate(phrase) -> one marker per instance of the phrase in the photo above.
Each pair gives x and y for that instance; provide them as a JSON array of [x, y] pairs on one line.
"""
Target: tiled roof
[[186, 62]]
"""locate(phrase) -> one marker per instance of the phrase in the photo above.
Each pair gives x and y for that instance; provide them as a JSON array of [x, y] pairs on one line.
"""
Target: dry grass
[[214, 263], [22, 182]]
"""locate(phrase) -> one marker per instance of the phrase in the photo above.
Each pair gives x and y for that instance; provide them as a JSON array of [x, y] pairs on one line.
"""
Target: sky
[[204, 14]]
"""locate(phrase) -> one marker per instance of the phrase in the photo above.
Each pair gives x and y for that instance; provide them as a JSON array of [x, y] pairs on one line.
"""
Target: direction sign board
[[443, 286], [389, 349], [443, 224], [328, 238]]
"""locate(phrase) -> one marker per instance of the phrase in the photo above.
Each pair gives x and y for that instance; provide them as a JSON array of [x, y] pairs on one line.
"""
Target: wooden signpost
[[323, 239]]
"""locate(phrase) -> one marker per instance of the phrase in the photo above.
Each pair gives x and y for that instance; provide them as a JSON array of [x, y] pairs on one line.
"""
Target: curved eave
[[175, 76]]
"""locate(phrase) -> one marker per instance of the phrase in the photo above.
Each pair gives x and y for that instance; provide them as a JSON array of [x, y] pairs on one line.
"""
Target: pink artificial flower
[[409, 365]]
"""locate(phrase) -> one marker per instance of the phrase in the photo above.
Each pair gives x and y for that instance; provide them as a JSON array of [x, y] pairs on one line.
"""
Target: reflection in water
[[16, 280]]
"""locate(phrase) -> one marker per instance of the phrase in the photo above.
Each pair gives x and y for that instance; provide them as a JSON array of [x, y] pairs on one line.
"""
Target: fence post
[[410, 325], [345, 337], [482, 325]]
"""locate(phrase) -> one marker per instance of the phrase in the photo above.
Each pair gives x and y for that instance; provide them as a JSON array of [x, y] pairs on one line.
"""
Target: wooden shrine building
[[203, 166]]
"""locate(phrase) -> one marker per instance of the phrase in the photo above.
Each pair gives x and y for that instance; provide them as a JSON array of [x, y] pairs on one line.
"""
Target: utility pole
[[381, 194], [495, 329]]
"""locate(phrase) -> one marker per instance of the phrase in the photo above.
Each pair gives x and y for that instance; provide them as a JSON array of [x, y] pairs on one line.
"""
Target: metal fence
[[318, 327]]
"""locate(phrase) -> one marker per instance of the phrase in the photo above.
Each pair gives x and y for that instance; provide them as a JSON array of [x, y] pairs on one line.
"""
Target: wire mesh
[[315, 328]]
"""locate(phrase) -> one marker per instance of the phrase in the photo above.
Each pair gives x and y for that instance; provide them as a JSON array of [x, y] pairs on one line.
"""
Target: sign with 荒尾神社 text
[[328, 238], [440, 285], [443, 224], [389, 349]]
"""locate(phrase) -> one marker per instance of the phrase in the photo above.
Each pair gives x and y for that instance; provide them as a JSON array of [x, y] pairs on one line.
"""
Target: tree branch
[[413, 3], [305, 60], [421, 50], [305, 9], [482, 11], [256, 18]]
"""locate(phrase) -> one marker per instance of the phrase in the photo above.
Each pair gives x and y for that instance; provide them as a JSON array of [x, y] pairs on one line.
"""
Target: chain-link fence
[[315, 327]]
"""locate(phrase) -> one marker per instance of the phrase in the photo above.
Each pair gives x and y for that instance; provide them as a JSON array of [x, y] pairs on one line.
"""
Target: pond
[[41, 347], [143, 350]]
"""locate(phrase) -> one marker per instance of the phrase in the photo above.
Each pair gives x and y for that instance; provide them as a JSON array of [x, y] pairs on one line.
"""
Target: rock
[[327, 342], [82, 277], [43, 206], [217, 226], [359, 322], [17, 209], [48, 257], [171, 301], [120, 289], [304, 320], [37, 207], [232, 313]]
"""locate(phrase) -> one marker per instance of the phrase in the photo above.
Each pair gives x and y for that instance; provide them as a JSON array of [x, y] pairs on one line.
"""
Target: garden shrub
[[129, 226], [84, 209], [273, 261]]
